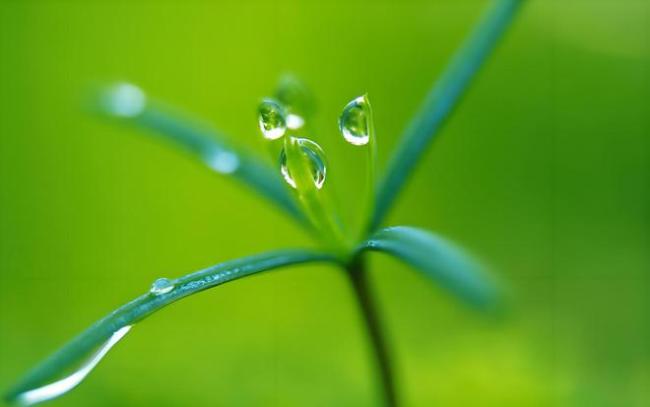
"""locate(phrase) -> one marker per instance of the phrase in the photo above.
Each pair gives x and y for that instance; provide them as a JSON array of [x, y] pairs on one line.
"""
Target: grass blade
[[140, 308], [440, 103], [306, 167], [439, 260], [208, 145]]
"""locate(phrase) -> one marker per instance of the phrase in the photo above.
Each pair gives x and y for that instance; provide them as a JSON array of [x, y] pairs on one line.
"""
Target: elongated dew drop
[[353, 122], [273, 122], [161, 286], [124, 100], [60, 387], [316, 157]]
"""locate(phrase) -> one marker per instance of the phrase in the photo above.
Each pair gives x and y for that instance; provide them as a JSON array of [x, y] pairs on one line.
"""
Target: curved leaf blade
[[439, 260], [208, 145], [140, 308], [440, 103]]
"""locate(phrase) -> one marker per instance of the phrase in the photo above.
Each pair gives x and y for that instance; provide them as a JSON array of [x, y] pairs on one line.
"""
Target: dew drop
[[273, 122], [295, 121], [125, 100], [296, 99], [62, 386], [353, 122], [161, 286], [316, 157], [222, 161]]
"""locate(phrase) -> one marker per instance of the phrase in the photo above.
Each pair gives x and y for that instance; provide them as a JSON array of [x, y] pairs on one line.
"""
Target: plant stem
[[359, 277]]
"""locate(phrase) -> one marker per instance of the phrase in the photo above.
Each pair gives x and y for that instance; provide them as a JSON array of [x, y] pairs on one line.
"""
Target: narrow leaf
[[119, 320], [304, 167], [439, 260], [440, 103], [128, 103]]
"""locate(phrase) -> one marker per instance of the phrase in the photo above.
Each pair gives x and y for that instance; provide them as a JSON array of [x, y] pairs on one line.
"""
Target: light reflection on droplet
[[316, 157], [60, 387], [353, 122], [125, 100]]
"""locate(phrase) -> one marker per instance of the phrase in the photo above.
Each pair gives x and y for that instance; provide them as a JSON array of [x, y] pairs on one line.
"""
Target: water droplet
[[161, 286], [273, 122], [316, 156], [222, 161], [125, 100], [296, 99], [353, 122], [295, 121], [60, 387]]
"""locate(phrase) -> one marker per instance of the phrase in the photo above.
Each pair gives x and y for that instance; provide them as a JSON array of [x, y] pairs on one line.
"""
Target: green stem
[[371, 170], [359, 278]]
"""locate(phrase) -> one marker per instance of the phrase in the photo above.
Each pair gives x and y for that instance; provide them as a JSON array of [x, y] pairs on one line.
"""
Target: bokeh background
[[543, 172]]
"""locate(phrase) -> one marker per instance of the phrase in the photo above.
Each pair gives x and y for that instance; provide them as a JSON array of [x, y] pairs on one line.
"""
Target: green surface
[[543, 172]]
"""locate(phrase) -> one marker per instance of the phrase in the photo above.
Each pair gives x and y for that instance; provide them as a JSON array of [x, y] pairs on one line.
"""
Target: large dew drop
[[273, 122], [316, 157], [354, 123], [161, 286], [60, 387]]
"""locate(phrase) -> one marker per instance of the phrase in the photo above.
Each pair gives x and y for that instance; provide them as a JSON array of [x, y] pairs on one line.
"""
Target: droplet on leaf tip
[[354, 122]]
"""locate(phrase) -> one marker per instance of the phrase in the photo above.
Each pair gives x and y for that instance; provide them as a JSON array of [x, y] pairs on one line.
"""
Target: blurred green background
[[543, 172]]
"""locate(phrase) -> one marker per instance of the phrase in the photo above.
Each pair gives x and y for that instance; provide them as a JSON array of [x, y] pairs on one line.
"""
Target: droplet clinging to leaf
[[124, 100], [354, 122], [161, 286], [316, 159], [272, 119]]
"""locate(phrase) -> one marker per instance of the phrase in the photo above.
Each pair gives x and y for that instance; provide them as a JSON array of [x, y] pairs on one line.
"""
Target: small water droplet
[[125, 100], [222, 161], [161, 286], [353, 122], [295, 121], [273, 122], [60, 387], [316, 156]]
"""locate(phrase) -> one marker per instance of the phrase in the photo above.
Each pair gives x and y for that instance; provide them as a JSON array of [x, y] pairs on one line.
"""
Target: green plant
[[304, 170]]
